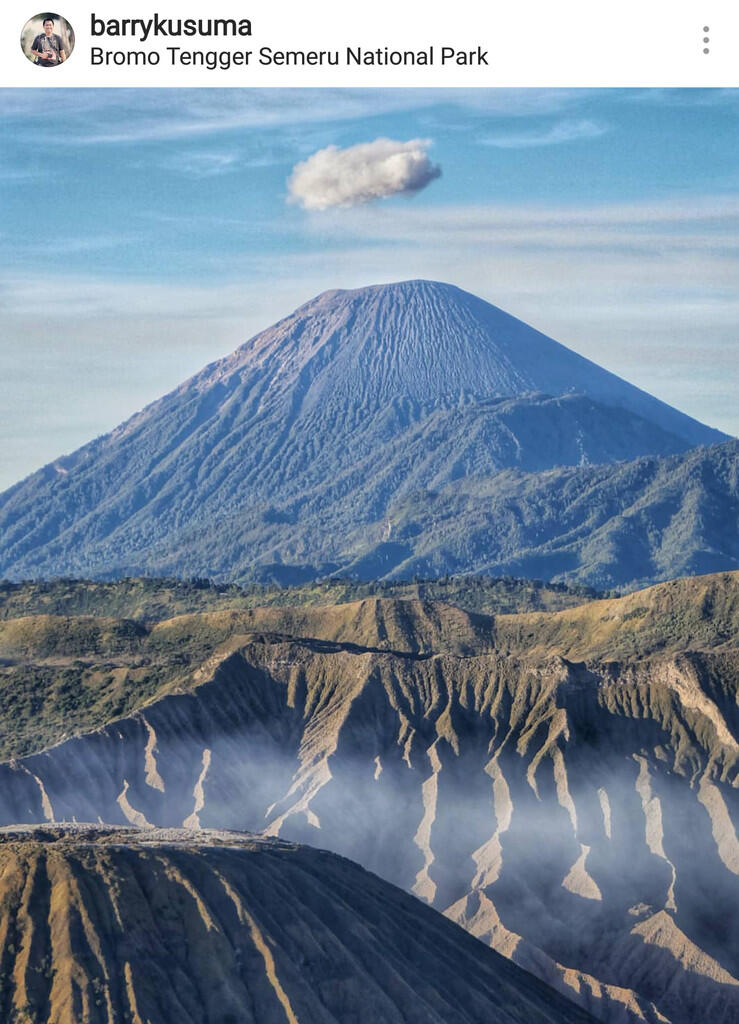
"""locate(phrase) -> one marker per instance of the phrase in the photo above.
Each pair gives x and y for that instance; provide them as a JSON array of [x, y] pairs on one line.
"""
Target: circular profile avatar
[[47, 40]]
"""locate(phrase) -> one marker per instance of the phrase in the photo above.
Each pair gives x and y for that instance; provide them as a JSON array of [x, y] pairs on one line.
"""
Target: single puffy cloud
[[361, 174]]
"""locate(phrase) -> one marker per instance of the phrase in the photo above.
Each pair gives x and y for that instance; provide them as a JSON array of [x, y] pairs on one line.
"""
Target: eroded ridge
[[562, 785]]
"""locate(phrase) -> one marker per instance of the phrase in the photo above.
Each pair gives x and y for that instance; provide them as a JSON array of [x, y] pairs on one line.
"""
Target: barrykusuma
[[142, 28]]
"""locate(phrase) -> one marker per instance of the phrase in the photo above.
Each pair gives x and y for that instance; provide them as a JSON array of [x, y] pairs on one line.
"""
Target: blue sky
[[147, 232]]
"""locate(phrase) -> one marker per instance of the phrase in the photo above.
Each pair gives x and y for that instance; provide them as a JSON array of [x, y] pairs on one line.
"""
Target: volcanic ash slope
[[118, 926]]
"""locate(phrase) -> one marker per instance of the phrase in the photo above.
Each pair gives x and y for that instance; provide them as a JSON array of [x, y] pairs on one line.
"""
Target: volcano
[[302, 452], [110, 926]]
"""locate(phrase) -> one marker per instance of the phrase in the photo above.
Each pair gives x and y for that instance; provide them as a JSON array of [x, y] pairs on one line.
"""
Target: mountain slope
[[354, 402], [622, 526], [562, 784], [119, 926]]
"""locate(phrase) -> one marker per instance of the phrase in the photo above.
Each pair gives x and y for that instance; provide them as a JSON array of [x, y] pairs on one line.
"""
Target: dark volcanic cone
[[119, 925]]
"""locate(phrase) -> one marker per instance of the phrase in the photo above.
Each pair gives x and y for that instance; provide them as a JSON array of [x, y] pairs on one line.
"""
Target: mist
[[589, 837]]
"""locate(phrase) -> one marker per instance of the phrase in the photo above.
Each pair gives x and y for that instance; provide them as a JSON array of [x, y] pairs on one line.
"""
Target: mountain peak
[[432, 344], [417, 296], [392, 290], [339, 413]]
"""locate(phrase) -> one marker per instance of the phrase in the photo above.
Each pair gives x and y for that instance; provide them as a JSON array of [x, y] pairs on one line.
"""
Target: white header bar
[[388, 43]]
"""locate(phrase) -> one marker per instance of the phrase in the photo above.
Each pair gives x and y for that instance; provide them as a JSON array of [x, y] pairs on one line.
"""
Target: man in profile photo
[[47, 46]]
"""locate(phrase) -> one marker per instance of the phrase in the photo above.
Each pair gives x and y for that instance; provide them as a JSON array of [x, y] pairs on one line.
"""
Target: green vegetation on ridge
[[151, 599], [65, 674]]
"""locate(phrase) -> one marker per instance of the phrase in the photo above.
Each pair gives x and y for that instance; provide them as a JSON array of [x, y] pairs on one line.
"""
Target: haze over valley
[[560, 784]]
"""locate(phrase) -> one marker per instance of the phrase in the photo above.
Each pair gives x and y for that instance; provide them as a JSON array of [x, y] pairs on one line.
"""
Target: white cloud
[[129, 116], [202, 165], [562, 131], [362, 173]]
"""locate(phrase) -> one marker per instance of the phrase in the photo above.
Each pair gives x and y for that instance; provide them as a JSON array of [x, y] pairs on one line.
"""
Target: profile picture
[[47, 40]]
